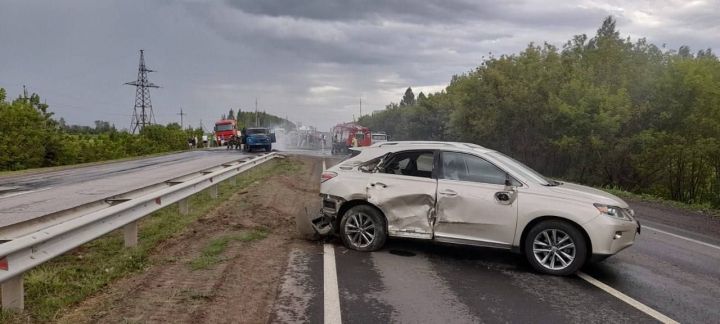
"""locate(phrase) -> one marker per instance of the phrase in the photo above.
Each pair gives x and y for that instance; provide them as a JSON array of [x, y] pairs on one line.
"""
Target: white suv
[[466, 194]]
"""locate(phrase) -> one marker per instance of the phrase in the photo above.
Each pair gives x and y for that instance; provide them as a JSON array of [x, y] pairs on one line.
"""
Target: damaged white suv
[[466, 194]]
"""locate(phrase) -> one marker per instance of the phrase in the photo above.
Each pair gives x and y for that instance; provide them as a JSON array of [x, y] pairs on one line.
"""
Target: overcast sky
[[311, 60]]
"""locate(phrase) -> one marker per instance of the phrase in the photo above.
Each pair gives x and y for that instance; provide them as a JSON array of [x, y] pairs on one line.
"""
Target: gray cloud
[[310, 60]]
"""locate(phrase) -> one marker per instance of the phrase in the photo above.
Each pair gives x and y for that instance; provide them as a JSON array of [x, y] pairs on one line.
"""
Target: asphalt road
[[676, 274], [29, 196]]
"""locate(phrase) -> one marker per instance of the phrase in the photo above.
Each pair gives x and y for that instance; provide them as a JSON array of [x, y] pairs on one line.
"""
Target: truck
[[379, 137], [256, 138], [225, 129], [347, 135]]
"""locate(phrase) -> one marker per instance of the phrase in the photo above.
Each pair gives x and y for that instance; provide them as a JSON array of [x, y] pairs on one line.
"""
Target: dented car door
[[474, 204], [404, 188]]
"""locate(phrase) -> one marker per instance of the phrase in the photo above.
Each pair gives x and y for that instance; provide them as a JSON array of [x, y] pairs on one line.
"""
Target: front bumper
[[609, 236]]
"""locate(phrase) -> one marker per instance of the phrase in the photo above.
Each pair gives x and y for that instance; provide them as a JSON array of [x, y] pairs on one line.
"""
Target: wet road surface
[[29, 196], [420, 282]]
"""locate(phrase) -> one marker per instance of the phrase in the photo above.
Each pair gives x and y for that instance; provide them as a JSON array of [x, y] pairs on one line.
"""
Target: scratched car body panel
[[466, 194]]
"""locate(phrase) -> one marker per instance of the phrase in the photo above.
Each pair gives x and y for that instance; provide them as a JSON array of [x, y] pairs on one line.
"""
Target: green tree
[[408, 99]]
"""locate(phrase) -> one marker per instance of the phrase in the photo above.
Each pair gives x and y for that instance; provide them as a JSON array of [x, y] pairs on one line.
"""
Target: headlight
[[616, 212]]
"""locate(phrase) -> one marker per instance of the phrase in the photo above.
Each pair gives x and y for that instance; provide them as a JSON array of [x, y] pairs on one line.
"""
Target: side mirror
[[508, 183]]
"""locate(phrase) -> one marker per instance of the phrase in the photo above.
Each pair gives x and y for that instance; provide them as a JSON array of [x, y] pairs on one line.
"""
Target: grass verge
[[211, 253], [76, 275], [9, 173]]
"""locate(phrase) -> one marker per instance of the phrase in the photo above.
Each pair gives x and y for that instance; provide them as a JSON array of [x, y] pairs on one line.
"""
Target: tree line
[[604, 111], [257, 119]]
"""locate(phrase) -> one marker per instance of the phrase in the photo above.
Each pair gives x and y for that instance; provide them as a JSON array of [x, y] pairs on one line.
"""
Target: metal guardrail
[[30, 250]]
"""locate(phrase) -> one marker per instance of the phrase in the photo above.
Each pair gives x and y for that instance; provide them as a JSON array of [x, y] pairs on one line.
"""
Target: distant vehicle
[[225, 129], [464, 193], [344, 136], [379, 137], [256, 138]]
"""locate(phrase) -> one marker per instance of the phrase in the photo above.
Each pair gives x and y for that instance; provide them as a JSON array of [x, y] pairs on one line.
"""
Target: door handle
[[380, 184], [502, 196], [449, 193]]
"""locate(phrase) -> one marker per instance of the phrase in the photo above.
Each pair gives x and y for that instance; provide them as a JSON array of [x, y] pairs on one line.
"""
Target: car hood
[[586, 193]]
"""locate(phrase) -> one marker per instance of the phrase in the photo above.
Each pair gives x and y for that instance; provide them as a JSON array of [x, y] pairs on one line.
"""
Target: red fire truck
[[224, 130], [343, 136]]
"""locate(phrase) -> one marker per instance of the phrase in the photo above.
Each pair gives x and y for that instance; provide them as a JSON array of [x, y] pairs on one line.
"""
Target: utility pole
[[142, 112], [256, 114], [360, 106], [181, 117]]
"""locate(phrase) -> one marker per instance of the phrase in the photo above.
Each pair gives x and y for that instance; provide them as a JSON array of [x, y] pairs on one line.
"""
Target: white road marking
[[681, 237], [330, 287], [23, 192], [627, 299]]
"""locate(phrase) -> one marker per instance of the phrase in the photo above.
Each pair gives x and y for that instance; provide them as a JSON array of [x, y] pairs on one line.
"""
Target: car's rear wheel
[[555, 247], [362, 228]]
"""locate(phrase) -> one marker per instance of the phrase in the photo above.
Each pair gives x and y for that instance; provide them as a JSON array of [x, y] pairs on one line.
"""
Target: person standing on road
[[354, 142]]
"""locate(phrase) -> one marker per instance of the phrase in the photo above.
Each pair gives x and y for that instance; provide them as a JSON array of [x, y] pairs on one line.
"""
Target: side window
[[467, 167], [414, 164]]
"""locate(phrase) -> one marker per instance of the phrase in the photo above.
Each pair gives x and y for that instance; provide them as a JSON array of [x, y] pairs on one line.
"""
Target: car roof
[[404, 145], [367, 153]]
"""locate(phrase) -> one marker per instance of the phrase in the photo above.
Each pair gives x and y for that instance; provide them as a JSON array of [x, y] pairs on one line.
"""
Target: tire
[[369, 216], [268, 148], [552, 243]]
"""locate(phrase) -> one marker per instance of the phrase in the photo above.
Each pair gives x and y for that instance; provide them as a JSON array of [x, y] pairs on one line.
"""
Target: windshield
[[379, 137], [256, 131], [223, 127], [521, 169]]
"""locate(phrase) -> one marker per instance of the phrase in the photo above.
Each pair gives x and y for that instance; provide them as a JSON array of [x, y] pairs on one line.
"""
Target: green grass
[[704, 208], [211, 253], [70, 278]]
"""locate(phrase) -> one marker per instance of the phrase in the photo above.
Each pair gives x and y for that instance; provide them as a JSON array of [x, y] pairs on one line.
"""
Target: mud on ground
[[242, 285]]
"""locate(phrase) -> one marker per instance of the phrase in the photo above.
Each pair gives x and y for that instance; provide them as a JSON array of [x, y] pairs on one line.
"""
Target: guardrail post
[[13, 293], [184, 206], [131, 234], [213, 190]]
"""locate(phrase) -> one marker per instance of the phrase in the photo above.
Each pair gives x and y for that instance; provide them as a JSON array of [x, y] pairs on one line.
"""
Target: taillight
[[327, 175]]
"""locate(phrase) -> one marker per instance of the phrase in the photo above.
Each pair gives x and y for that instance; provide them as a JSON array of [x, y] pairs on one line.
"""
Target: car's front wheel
[[363, 228], [555, 247]]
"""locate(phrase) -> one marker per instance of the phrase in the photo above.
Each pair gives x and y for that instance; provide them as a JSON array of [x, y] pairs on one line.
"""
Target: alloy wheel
[[554, 249], [360, 230]]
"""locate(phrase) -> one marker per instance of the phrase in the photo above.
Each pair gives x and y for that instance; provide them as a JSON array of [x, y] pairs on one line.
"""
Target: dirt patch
[[242, 284]]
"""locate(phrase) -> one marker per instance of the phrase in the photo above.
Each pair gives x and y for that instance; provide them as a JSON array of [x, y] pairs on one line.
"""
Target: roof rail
[[453, 144]]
